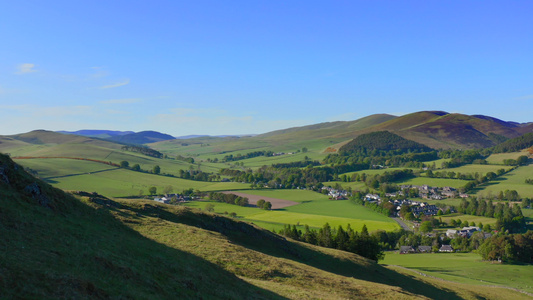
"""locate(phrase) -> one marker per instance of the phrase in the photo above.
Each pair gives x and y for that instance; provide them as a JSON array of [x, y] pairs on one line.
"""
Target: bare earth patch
[[276, 203]]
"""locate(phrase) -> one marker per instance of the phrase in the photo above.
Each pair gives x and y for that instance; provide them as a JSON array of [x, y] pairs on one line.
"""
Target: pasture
[[469, 218], [498, 158], [436, 182], [314, 210], [110, 181], [514, 180], [465, 268], [473, 168]]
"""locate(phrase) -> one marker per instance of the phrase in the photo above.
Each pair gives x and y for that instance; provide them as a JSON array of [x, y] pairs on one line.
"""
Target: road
[[402, 224]]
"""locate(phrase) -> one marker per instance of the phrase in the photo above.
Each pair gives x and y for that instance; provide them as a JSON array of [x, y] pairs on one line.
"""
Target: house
[[424, 249], [407, 249], [451, 233], [162, 200], [446, 248]]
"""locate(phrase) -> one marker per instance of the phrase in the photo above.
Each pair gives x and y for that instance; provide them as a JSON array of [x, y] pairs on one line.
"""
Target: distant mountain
[[143, 137], [103, 134]]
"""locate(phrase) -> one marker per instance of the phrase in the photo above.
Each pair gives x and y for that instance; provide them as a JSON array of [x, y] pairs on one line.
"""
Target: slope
[[62, 247]]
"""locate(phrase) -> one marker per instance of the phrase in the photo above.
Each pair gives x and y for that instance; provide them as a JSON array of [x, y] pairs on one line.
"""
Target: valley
[[316, 178]]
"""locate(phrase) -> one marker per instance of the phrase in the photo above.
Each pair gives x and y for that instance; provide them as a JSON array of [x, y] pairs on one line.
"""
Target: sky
[[250, 67]]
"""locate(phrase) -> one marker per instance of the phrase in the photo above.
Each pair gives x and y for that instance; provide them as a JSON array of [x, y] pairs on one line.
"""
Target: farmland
[[514, 180], [465, 268]]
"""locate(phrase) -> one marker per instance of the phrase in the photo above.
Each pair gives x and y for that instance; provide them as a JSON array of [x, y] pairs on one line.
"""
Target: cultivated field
[[314, 209]]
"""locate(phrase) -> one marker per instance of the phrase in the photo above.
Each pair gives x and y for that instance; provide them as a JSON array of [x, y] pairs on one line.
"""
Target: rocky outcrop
[[3, 175], [35, 191]]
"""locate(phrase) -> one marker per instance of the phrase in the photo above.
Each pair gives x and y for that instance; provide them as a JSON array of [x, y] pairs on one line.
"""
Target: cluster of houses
[[417, 208], [166, 199], [336, 194], [434, 193], [424, 249], [465, 232]]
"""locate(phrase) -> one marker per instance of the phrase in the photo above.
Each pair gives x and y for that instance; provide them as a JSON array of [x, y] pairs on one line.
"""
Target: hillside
[[102, 134], [382, 141], [93, 247], [434, 129], [143, 137]]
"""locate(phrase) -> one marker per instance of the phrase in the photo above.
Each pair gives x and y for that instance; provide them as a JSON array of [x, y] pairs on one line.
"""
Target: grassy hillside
[[93, 247]]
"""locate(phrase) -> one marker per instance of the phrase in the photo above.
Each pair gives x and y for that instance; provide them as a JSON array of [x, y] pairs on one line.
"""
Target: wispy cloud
[[25, 68], [121, 101], [118, 84]]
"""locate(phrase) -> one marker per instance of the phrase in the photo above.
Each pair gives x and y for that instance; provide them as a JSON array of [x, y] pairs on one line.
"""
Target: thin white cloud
[[118, 84], [26, 68], [121, 101]]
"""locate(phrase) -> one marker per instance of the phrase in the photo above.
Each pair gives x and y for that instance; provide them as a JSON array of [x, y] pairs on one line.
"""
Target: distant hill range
[[125, 137], [435, 129]]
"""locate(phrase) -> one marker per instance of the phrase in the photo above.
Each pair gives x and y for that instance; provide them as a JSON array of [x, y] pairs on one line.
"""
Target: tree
[[304, 150], [267, 205], [168, 189], [136, 167], [124, 164], [152, 190], [426, 226], [156, 169], [522, 160], [210, 207], [261, 203]]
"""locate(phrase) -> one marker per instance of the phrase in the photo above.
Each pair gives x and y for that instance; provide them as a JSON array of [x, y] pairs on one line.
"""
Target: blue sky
[[239, 67]]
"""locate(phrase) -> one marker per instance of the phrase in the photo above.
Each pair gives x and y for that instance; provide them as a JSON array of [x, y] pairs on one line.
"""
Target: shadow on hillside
[[85, 252], [264, 241]]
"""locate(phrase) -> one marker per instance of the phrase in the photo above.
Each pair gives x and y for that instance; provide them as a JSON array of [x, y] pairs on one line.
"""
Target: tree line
[[143, 150], [361, 243], [228, 198]]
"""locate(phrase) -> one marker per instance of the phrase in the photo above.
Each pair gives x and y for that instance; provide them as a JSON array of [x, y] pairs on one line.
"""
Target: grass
[[112, 182], [514, 180], [76, 248], [314, 213], [469, 218], [473, 168], [466, 268], [292, 195], [498, 158], [436, 182]]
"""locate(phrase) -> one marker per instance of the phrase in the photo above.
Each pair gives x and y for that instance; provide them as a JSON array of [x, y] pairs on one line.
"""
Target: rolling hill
[[91, 247], [434, 129]]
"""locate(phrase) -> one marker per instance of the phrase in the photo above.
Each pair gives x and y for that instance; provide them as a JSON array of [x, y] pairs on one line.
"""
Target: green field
[[89, 176], [314, 213], [436, 182], [514, 180], [465, 268], [469, 218], [498, 158], [291, 195], [472, 169]]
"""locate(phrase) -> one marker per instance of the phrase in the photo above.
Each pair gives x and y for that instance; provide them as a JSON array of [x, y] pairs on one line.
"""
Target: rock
[[37, 194], [3, 175]]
